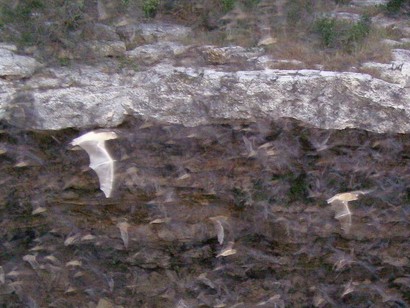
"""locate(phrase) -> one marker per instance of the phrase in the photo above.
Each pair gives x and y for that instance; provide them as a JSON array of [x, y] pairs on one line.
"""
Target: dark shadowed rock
[[154, 242]]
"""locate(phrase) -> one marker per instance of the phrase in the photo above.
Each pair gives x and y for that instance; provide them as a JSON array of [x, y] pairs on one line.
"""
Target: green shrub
[[359, 30], [150, 8], [41, 22], [394, 6], [326, 27], [342, 34], [23, 16], [64, 61], [228, 5], [22, 11]]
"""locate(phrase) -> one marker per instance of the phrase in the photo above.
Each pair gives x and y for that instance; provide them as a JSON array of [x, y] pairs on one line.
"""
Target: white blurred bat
[[340, 204], [227, 251], [249, 147], [123, 226], [2, 276], [100, 160], [218, 223]]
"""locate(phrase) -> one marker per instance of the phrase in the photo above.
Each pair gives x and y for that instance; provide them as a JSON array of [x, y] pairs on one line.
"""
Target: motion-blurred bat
[[340, 204], [227, 251], [2, 276], [100, 160], [123, 226], [218, 223]]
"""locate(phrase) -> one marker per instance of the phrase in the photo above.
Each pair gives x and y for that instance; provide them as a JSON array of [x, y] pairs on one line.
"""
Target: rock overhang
[[84, 96]]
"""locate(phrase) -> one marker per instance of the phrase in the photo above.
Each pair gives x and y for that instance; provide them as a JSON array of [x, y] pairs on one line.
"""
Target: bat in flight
[[340, 204], [100, 159]]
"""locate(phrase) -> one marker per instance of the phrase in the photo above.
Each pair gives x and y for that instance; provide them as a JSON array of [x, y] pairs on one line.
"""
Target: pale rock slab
[[105, 48], [398, 71], [138, 34], [86, 96], [16, 66], [368, 2], [154, 53]]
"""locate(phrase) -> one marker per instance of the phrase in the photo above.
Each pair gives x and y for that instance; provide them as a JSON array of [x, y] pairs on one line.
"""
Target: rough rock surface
[[147, 33], [157, 52], [217, 212], [156, 242], [150, 72], [369, 2], [13, 65], [88, 96], [175, 83], [398, 71], [105, 48]]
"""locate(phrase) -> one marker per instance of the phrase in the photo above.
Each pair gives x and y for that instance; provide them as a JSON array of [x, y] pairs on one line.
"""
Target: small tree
[[150, 7]]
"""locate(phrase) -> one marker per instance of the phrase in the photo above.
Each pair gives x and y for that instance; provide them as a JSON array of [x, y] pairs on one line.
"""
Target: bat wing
[[349, 196], [102, 163], [249, 147], [219, 228], [343, 214], [219, 231]]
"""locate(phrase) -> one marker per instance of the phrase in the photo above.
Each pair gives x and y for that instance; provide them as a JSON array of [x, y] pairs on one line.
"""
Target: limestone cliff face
[[147, 70], [229, 209], [85, 96]]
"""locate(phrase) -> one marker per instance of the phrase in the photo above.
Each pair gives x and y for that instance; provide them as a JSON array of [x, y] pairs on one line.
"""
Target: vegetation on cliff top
[[304, 30]]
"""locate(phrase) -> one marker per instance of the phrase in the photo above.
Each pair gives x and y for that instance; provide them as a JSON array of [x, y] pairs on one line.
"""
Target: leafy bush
[[359, 30], [394, 6], [21, 11], [150, 7], [342, 34], [40, 21], [228, 5], [326, 27]]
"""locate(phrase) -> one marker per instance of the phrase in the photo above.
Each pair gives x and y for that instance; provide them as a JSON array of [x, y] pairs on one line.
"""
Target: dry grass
[[295, 50], [372, 72], [404, 45], [297, 40], [371, 50], [292, 25], [310, 52], [368, 10], [216, 38]]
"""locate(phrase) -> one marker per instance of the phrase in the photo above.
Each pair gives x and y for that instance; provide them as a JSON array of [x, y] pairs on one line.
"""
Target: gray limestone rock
[[154, 53], [13, 65], [90, 97], [368, 2], [322, 99], [104, 48], [138, 34], [232, 83], [6, 95], [398, 71]]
